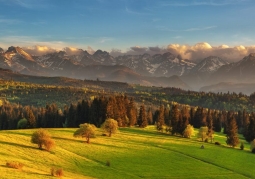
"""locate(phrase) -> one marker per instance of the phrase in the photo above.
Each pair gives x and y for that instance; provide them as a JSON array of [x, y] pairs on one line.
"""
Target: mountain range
[[166, 70]]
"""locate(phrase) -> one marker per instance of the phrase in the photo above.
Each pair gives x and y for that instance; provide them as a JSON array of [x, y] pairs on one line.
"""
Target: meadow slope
[[132, 153]]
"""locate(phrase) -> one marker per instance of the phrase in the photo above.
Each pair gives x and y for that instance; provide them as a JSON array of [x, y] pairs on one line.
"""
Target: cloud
[[39, 50], [202, 50], [196, 52]]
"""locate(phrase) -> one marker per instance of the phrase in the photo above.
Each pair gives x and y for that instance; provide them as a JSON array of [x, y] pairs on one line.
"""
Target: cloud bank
[[42, 50], [195, 52]]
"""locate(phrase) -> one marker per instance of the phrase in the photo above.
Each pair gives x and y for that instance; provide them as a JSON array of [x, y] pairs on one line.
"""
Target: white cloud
[[196, 52]]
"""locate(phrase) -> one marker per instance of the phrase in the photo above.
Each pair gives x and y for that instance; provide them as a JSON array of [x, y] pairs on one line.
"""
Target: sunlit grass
[[132, 153]]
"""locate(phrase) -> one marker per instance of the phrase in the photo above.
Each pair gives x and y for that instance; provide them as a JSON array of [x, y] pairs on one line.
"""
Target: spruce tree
[[142, 119], [175, 117], [232, 132], [160, 118]]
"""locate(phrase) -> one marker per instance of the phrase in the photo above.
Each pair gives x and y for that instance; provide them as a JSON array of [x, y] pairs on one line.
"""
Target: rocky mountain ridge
[[144, 69]]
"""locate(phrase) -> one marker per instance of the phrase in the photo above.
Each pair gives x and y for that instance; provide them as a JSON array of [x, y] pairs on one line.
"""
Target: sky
[[129, 26]]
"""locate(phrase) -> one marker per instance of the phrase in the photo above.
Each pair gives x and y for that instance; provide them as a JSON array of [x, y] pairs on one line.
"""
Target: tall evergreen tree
[[160, 118], [149, 116], [132, 112], [31, 122], [232, 133], [142, 119], [175, 117]]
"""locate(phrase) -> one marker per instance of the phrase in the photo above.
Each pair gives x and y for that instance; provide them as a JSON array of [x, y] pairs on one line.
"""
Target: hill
[[132, 153]]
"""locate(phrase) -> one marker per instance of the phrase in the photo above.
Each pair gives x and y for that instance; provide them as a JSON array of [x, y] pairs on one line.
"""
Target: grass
[[131, 153]]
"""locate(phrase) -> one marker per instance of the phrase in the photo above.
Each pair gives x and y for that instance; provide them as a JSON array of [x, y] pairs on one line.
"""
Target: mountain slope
[[199, 75], [240, 71]]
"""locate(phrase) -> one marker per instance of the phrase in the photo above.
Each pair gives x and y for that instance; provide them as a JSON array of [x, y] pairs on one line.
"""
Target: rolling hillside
[[132, 153]]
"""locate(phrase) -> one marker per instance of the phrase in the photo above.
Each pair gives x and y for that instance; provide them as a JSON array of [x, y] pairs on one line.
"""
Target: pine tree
[[232, 132], [250, 132], [175, 117], [142, 119], [209, 120], [160, 118], [31, 122], [149, 116], [132, 112]]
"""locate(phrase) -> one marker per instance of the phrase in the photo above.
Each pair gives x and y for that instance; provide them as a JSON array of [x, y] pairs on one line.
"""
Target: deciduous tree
[[110, 126], [41, 137], [86, 130]]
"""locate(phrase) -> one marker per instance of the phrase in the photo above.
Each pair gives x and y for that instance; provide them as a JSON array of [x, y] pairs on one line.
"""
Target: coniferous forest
[[171, 110]]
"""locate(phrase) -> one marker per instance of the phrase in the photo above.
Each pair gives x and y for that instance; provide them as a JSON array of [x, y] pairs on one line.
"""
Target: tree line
[[172, 118]]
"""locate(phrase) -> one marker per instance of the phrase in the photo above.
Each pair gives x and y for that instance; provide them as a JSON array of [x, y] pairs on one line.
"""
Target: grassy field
[[132, 153]]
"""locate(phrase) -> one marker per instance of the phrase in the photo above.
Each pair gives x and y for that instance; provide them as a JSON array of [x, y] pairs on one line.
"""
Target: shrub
[[52, 171], [59, 172], [108, 163], [242, 146], [217, 143], [16, 165], [56, 172], [41, 137]]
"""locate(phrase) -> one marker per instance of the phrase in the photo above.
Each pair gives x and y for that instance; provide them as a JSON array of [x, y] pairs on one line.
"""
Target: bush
[[59, 172], [242, 146], [217, 143], [16, 165], [56, 172], [52, 171], [108, 163]]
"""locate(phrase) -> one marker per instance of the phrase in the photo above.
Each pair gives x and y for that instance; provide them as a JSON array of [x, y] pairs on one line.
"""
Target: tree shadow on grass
[[19, 133], [61, 138], [24, 170], [17, 145]]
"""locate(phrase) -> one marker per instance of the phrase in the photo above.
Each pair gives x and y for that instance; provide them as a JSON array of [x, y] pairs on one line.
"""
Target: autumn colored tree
[[132, 112], [160, 118], [41, 137], [189, 131], [232, 133], [110, 126], [202, 133], [86, 130]]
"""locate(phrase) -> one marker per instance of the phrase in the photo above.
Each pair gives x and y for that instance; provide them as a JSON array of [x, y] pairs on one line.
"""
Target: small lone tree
[[42, 138], [202, 133], [110, 126], [86, 130], [22, 124], [189, 131]]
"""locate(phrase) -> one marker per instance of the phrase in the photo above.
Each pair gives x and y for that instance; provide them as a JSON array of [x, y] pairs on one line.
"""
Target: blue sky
[[121, 24]]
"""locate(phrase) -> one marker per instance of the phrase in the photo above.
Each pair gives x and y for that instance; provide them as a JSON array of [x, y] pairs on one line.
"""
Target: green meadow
[[132, 153]]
